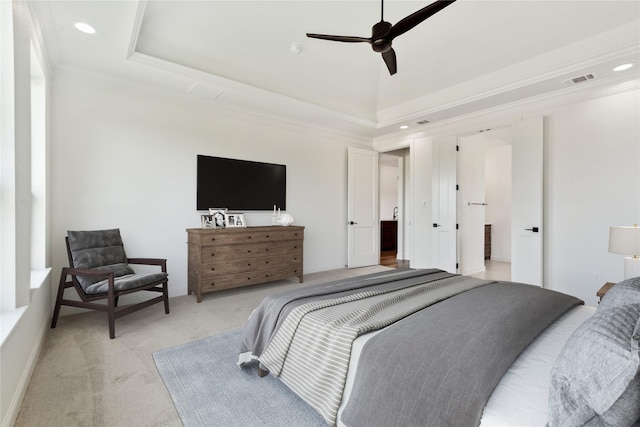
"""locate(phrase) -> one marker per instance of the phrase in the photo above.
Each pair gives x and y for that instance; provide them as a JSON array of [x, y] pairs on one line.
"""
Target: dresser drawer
[[255, 264], [235, 280], [248, 235], [228, 252]]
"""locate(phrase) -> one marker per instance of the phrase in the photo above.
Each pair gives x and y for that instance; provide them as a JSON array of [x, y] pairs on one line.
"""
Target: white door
[[527, 202], [363, 240], [471, 207], [445, 162]]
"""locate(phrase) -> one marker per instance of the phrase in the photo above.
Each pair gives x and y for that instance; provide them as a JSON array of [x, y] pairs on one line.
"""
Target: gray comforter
[[459, 349], [439, 364]]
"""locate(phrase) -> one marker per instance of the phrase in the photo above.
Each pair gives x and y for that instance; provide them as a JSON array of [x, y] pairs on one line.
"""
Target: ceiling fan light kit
[[383, 33]]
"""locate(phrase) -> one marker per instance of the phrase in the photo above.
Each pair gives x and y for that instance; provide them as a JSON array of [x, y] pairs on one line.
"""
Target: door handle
[[534, 229], [352, 223], [436, 225]]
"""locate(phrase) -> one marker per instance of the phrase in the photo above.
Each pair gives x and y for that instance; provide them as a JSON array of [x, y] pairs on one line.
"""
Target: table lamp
[[625, 240]]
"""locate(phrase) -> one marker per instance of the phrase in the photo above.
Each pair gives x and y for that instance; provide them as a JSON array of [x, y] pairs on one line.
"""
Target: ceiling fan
[[383, 33]]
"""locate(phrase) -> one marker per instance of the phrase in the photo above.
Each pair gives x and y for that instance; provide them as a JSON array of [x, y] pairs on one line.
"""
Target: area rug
[[209, 389]]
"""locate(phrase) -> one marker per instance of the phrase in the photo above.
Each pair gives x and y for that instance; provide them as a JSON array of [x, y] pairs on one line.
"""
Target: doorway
[[484, 199], [392, 208]]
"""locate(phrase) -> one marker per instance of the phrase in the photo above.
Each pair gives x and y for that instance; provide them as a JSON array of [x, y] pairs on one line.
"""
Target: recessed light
[[84, 27], [623, 67], [404, 127]]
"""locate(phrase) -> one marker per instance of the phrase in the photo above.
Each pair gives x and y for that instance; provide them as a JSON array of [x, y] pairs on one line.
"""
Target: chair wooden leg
[[61, 288], [111, 312], [165, 294]]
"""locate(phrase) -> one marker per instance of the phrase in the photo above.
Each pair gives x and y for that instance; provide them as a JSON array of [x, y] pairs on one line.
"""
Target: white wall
[[25, 307], [592, 181], [126, 158]]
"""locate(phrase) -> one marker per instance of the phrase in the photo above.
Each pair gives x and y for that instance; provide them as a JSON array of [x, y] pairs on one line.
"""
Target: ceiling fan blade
[[417, 17], [346, 39], [390, 59]]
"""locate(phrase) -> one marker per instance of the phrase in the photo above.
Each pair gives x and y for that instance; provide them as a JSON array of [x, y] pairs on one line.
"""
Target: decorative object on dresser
[[218, 215], [284, 220], [233, 257], [625, 240], [207, 221], [235, 220]]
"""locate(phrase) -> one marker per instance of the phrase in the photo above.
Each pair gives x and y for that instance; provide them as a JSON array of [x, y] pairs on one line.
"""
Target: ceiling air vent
[[422, 122], [579, 79]]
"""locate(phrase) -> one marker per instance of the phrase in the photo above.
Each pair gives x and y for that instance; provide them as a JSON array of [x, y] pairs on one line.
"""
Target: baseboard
[[16, 402]]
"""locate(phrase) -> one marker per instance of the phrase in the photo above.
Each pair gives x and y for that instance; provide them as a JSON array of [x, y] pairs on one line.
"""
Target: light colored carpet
[[209, 390], [83, 378]]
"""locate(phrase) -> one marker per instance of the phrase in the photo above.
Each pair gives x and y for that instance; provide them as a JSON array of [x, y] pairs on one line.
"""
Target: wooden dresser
[[224, 258]]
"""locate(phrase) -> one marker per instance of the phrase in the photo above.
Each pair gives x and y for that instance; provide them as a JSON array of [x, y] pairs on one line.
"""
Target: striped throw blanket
[[310, 351]]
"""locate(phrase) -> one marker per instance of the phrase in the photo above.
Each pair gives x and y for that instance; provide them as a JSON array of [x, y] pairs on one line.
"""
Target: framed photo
[[207, 221], [235, 220], [218, 215]]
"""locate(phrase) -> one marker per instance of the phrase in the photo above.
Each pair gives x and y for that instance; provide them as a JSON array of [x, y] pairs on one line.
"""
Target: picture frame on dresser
[[218, 216], [207, 221], [235, 220]]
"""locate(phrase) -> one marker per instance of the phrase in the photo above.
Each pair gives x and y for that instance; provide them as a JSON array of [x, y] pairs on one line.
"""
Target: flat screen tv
[[240, 185]]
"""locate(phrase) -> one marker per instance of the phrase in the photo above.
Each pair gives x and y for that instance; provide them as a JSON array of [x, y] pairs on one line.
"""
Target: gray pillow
[[595, 380], [622, 293]]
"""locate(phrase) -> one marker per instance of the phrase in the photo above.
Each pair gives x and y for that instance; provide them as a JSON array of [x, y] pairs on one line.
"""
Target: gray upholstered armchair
[[100, 270]]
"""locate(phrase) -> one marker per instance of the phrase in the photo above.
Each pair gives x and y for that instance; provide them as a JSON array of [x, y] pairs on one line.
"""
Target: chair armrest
[[150, 261], [87, 272]]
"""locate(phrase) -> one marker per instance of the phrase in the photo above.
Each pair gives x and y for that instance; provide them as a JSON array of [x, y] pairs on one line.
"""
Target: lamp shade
[[624, 240]]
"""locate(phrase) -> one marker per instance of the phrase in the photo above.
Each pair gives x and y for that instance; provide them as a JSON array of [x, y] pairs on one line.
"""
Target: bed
[[430, 348]]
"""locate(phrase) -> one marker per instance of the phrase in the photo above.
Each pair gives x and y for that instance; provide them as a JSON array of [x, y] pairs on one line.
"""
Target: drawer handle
[[267, 236], [213, 239], [213, 268], [249, 265], [248, 250], [213, 284], [248, 237], [213, 254], [266, 262], [267, 249]]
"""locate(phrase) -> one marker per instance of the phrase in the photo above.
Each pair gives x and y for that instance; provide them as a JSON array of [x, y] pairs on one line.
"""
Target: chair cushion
[[129, 281], [101, 250]]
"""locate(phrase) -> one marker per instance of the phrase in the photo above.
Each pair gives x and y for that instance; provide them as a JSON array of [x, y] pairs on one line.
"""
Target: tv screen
[[240, 184]]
